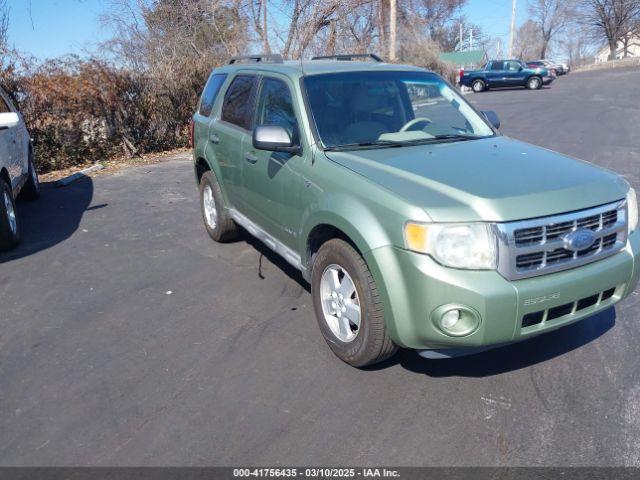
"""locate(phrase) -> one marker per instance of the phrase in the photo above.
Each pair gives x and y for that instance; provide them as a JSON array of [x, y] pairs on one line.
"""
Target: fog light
[[450, 318], [456, 320]]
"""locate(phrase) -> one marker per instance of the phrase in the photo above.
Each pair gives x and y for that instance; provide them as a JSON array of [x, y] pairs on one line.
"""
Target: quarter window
[[275, 105], [210, 93], [238, 101]]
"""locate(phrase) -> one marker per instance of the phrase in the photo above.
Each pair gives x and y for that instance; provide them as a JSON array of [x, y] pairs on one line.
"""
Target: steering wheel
[[413, 122]]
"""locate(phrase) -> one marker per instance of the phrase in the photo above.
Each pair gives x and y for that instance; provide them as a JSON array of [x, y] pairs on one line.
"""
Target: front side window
[[389, 108], [275, 105], [210, 93], [513, 66], [238, 101]]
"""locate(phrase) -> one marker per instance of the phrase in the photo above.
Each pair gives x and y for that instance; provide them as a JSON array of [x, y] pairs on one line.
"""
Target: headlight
[[471, 246], [632, 209]]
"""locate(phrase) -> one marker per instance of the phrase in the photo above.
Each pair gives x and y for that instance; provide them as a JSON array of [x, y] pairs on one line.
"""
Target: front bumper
[[414, 285], [547, 80]]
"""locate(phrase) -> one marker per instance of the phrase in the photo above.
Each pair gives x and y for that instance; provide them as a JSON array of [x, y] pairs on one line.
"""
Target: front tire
[[31, 189], [534, 83], [220, 226], [9, 225], [478, 86], [348, 306]]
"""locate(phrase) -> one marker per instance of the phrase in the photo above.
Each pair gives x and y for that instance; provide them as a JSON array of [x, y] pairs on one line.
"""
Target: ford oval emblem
[[579, 240]]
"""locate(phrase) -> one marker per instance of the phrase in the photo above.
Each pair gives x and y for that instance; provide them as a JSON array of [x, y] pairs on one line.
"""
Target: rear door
[[203, 116], [230, 130], [272, 181], [9, 150]]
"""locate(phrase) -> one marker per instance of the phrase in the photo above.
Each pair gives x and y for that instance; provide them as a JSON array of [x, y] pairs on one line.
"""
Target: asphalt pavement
[[127, 337]]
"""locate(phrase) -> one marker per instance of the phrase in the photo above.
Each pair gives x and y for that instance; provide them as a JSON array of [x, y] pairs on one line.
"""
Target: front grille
[[536, 247], [555, 313]]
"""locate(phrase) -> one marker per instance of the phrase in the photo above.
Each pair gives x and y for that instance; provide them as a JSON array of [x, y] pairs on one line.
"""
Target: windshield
[[362, 109]]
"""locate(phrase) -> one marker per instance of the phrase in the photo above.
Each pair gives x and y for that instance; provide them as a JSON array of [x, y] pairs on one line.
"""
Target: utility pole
[[392, 30], [471, 39], [512, 33], [461, 47]]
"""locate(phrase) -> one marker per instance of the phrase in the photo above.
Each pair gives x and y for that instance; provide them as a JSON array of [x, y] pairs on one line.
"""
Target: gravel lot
[[127, 337]]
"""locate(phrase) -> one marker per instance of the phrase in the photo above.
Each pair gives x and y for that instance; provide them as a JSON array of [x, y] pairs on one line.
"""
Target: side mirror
[[520, 68], [274, 138], [493, 118], [8, 120]]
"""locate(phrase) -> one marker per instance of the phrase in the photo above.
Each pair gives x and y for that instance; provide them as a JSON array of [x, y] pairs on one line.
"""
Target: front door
[[272, 180], [513, 73], [496, 74]]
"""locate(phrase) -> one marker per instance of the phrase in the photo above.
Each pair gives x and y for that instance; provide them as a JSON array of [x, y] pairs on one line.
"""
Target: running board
[[276, 245]]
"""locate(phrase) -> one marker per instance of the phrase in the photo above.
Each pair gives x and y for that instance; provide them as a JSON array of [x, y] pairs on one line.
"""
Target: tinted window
[[497, 66], [275, 106], [210, 92], [238, 101]]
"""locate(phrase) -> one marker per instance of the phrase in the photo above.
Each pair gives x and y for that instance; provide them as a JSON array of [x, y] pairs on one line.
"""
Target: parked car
[[542, 65], [555, 68], [415, 221], [18, 175], [505, 73]]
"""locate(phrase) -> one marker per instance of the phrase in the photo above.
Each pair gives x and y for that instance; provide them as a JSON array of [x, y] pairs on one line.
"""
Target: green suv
[[415, 221]]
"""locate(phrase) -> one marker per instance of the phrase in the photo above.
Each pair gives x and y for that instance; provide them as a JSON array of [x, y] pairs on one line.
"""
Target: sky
[[51, 28]]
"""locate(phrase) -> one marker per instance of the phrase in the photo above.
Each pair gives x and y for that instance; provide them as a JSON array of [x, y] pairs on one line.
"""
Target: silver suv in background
[[18, 175]]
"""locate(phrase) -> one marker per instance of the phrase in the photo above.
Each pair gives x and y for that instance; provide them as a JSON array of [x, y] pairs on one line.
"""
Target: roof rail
[[260, 58], [347, 57]]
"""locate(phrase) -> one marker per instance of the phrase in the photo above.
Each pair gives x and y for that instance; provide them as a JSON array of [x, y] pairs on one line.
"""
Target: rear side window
[[238, 101], [497, 66], [210, 93]]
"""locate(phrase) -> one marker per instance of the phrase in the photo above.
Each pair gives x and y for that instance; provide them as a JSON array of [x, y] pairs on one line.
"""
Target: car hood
[[492, 179]]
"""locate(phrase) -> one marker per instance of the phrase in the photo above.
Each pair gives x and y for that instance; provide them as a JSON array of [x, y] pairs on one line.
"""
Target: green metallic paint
[[369, 195]]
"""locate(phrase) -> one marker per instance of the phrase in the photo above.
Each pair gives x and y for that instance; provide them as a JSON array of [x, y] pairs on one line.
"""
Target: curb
[[63, 182]]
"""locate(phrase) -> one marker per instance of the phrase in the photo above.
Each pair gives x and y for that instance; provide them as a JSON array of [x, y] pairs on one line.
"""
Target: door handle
[[251, 158], [213, 138]]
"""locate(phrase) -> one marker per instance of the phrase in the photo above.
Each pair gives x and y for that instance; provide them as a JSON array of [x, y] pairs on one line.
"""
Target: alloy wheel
[[340, 303]]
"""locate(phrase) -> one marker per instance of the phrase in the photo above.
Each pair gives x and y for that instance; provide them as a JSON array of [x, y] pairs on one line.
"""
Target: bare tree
[[551, 17], [610, 19], [528, 41]]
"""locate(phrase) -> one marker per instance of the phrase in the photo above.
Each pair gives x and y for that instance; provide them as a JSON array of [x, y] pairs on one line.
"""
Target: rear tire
[[31, 189], [478, 86], [220, 226], [534, 83], [348, 306], [9, 225]]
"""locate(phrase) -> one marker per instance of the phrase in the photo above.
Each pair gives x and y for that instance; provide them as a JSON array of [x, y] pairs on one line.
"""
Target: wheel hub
[[209, 207], [11, 213], [340, 303]]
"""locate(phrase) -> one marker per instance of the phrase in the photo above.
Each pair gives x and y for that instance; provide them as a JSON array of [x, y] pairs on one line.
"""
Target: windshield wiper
[[403, 143], [374, 144]]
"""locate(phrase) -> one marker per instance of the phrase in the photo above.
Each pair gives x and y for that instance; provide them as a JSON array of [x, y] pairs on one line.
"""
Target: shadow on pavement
[[511, 357], [52, 218], [277, 260]]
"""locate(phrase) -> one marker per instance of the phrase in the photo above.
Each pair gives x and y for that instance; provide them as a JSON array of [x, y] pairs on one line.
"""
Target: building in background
[[466, 60], [633, 50]]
